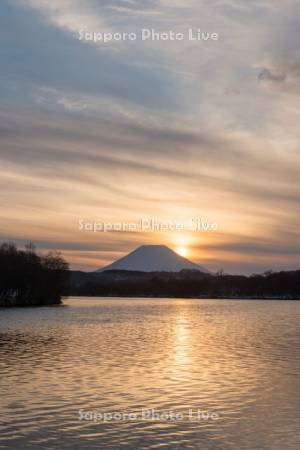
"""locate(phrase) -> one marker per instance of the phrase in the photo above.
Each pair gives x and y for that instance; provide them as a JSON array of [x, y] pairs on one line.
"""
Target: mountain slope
[[153, 258]]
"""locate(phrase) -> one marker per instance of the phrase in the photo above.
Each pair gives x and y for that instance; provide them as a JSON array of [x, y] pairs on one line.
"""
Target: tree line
[[189, 284], [30, 279]]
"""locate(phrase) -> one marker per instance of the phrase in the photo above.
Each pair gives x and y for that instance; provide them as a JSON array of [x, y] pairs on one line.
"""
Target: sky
[[173, 130]]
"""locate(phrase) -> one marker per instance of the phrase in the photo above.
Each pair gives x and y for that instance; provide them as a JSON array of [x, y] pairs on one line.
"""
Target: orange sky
[[172, 131]]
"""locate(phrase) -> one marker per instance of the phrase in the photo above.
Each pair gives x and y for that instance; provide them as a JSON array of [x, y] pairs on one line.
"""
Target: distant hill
[[185, 284], [153, 258]]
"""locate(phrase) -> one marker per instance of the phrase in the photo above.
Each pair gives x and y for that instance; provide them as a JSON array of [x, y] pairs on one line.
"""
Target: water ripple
[[237, 359]]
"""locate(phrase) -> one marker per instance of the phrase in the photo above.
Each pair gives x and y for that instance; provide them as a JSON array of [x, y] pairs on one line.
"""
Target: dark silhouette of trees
[[285, 285], [29, 279]]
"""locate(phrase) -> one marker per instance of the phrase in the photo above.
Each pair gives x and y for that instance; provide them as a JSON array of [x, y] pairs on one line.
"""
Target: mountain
[[153, 258]]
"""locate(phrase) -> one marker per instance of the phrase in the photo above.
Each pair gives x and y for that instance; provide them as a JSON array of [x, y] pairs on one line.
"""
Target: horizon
[[132, 251]]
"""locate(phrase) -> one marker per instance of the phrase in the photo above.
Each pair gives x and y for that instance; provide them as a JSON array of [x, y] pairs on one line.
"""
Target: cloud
[[154, 128], [67, 14], [268, 75]]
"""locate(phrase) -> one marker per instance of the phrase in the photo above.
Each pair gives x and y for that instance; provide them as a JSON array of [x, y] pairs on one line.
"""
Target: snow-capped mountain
[[153, 258]]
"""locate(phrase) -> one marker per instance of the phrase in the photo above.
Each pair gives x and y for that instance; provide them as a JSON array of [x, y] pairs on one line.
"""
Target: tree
[[29, 279]]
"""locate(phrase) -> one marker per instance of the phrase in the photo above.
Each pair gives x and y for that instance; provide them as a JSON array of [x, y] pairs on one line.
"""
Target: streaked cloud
[[156, 129]]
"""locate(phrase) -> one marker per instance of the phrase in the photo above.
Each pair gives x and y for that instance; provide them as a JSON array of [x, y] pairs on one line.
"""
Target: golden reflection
[[182, 345]]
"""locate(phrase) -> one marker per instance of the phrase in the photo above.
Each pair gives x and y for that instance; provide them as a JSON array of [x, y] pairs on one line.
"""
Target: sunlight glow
[[182, 251]]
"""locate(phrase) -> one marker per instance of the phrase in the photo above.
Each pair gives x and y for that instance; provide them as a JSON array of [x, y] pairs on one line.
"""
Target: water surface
[[236, 359]]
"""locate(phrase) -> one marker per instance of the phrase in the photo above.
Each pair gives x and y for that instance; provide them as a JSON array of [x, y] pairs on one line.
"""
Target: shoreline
[[7, 305], [186, 298]]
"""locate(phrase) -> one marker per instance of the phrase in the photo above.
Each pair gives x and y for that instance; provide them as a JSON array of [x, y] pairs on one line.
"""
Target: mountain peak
[[153, 258]]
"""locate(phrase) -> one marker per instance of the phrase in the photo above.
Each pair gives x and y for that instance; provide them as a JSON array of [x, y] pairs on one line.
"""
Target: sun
[[182, 251]]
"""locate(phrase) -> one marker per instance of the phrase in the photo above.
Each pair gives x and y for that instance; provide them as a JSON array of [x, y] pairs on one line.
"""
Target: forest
[[30, 279], [186, 284]]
